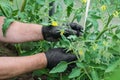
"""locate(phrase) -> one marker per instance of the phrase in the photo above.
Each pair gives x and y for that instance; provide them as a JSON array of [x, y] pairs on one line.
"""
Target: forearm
[[21, 32], [13, 66]]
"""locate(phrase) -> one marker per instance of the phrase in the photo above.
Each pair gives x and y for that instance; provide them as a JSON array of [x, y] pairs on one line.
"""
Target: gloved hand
[[54, 56], [51, 33]]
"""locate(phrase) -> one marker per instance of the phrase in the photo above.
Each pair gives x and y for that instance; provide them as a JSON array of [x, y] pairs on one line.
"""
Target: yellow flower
[[54, 23], [81, 52], [115, 14], [105, 43], [84, 1], [103, 7], [95, 46], [62, 32]]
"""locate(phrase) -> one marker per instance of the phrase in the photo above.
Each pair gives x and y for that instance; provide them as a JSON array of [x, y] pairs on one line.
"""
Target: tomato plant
[[97, 50]]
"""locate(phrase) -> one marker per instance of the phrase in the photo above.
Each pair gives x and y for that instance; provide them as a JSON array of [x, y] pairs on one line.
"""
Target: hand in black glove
[[51, 33], [54, 56]]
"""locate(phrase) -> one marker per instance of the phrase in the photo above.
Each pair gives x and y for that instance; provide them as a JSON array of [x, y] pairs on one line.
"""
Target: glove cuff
[[50, 64], [45, 32]]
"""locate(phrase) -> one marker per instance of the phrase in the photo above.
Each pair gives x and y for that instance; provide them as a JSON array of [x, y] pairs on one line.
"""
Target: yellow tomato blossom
[[54, 23], [62, 32], [103, 7], [115, 14], [81, 52], [95, 46], [84, 1], [105, 43]]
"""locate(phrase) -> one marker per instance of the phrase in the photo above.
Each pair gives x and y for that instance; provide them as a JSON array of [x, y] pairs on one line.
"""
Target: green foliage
[[61, 67], [6, 25], [94, 75], [112, 66], [97, 51], [75, 73], [6, 8]]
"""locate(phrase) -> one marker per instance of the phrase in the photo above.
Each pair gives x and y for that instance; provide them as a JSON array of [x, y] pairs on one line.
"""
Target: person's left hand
[[55, 55], [51, 33]]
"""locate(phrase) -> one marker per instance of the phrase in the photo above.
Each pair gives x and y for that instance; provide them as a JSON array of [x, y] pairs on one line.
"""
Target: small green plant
[[97, 50]]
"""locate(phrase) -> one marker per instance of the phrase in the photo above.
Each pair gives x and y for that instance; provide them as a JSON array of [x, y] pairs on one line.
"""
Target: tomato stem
[[87, 74], [106, 27], [104, 30], [23, 5]]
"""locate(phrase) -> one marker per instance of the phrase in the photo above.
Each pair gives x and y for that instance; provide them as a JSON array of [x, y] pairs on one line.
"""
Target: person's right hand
[[51, 33], [55, 55]]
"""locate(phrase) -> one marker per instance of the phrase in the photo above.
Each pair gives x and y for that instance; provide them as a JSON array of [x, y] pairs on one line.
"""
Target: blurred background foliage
[[98, 50]]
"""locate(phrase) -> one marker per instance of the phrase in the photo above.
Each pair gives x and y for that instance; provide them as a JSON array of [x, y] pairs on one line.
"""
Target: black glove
[[54, 56], [51, 33]]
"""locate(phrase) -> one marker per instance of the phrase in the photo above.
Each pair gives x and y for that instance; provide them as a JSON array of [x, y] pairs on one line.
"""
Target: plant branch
[[23, 5], [109, 20], [73, 19], [81, 75], [87, 74], [104, 30], [105, 27], [72, 62]]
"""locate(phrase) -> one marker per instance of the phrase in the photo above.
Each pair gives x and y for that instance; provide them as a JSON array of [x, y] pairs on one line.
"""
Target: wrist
[[41, 60]]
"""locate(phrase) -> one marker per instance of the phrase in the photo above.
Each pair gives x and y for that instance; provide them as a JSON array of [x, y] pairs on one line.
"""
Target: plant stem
[[81, 75], [73, 18], [105, 27], [60, 76], [52, 10], [18, 47], [104, 30], [72, 62], [87, 74], [17, 4], [23, 5], [109, 20]]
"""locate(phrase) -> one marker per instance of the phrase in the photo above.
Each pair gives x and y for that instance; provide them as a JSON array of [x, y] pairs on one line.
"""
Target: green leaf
[[65, 77], [81, 65], [94, 75], [94, 22], [40, 72], [68, 2], [15, 12], [40, 2], [65, 40], [98, 66], [61, 67], [6, 9], [94, 16], [115, 75], [59, 8], [6, 25], [78, 17], [108, 2], [75, 73], [69, 9], [116, 48], [118, 35], [112, 66]]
